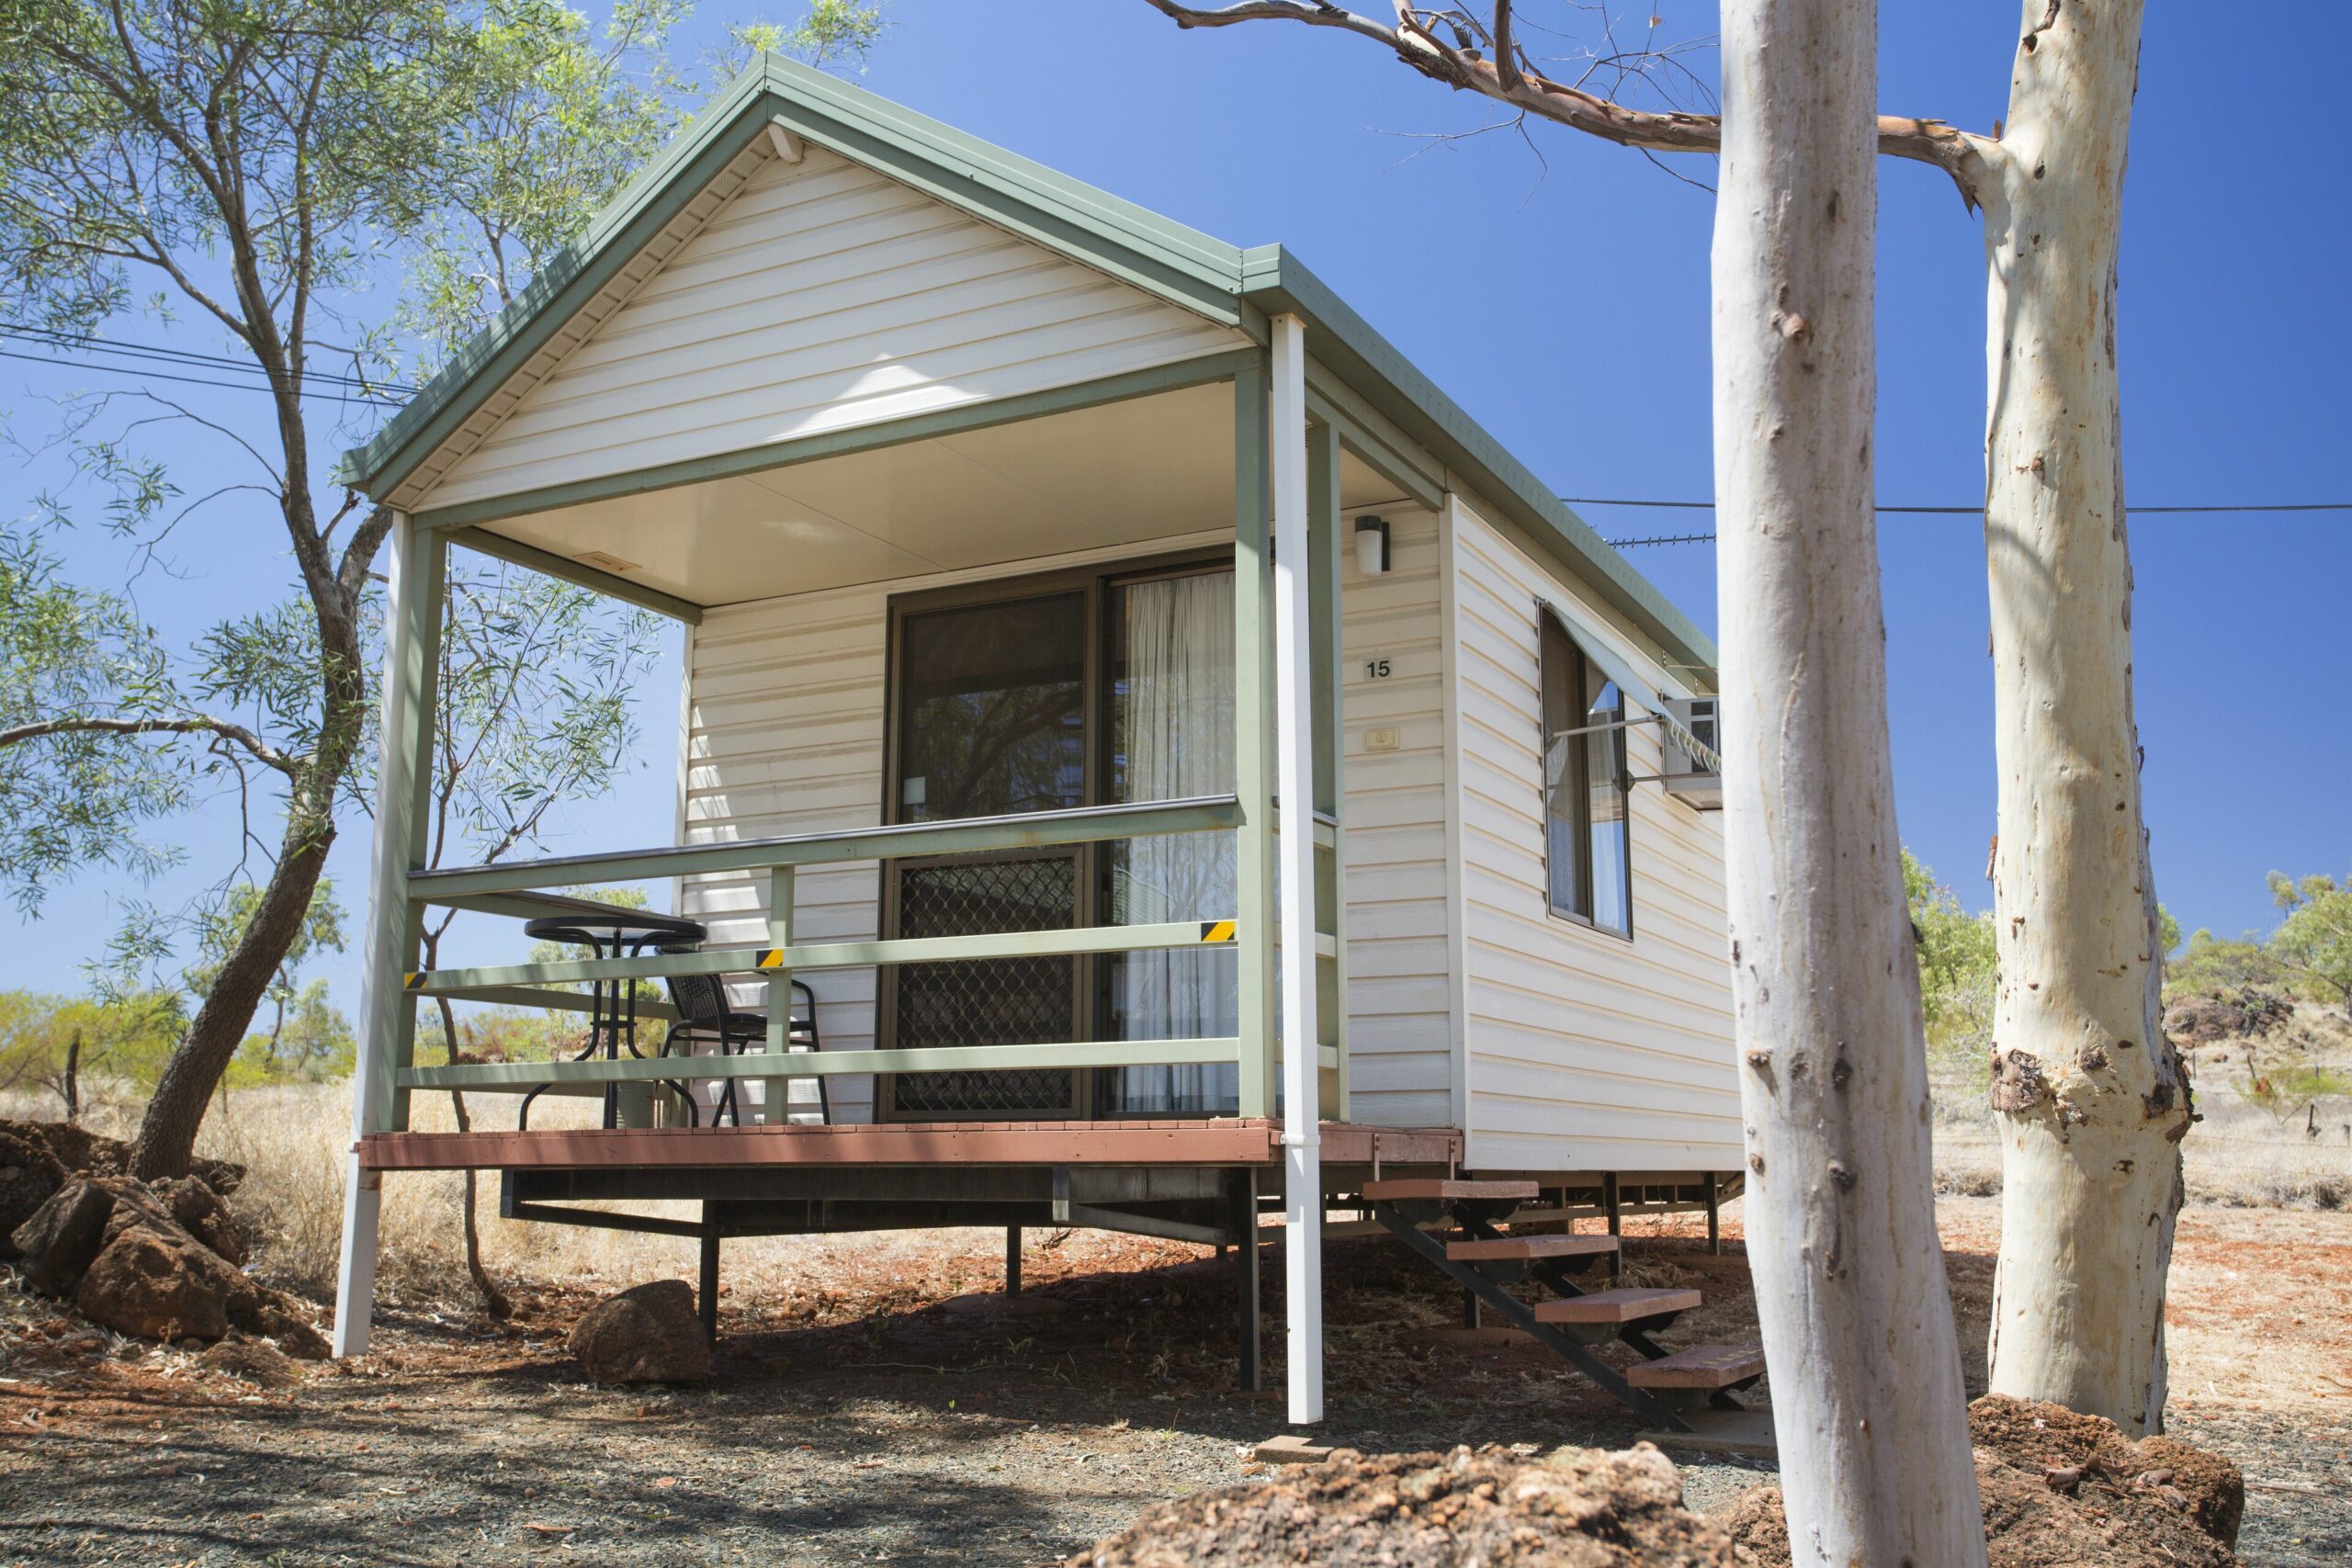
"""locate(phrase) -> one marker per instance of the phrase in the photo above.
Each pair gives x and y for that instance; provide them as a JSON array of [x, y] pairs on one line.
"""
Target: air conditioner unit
[[1689, 778]]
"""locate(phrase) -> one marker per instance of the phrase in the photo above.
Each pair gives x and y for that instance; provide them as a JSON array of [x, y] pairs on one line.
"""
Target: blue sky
[[1556, 286]]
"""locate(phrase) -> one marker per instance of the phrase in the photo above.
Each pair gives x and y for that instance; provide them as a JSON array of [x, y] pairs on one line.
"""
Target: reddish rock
[[63, 1234], [646, 1334], [203, 1215], [157, 1285], [30, 1174]]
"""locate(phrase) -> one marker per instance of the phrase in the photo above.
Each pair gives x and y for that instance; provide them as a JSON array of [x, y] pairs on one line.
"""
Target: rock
[[203, 1215], [1575, 1508], [157, 1285], [255, 1361], [79, 1149], [63, 1234], [294, 1334], [2061, 1488], [29, 1175], [646, 1334]]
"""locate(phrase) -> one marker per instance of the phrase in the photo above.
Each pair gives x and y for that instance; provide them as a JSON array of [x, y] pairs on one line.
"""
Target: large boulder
[[158, 1285], [646, 1334], [30, 1174]]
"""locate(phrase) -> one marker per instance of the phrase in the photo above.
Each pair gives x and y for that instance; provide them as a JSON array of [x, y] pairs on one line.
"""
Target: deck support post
[[417, 571], [1294, 675], [1013, 1260], [1244, 1222], [1609, 1202], [706, 1297], [1714, 1216]]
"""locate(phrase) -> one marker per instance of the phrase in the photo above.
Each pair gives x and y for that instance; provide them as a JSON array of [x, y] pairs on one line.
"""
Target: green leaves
[[73, 796]]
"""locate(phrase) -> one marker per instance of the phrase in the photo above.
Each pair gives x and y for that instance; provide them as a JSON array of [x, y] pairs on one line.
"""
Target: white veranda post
[[388, 1013], [1295, 872]]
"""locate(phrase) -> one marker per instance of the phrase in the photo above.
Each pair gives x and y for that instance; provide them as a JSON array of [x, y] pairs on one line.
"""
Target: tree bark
[[2088, 1091], [1867, 1396]]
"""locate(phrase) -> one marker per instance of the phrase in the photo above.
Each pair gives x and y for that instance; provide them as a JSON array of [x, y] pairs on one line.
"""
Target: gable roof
[[666, 201]]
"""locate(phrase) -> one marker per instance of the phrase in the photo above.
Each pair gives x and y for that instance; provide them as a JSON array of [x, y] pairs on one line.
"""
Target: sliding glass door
[[1041, 696]]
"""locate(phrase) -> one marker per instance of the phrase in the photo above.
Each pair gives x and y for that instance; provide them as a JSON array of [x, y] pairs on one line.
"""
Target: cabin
[[1125, 703]]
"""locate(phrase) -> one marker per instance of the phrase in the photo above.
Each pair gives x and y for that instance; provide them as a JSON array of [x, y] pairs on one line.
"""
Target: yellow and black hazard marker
[[412, 981], [1216, 930], [771, 958]]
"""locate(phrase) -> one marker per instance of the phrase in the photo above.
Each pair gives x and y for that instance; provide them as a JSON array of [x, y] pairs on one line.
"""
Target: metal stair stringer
[[1522, 1317]]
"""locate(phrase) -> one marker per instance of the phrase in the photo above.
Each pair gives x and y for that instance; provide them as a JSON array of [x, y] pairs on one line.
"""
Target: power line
[[141, 374], [1937, 512], [87, 346]]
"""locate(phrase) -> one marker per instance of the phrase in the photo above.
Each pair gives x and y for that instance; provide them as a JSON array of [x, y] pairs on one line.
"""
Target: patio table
[[612, 1015]]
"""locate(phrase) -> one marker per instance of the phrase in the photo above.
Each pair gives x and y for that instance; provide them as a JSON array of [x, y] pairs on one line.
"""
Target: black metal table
[[612, 1012]]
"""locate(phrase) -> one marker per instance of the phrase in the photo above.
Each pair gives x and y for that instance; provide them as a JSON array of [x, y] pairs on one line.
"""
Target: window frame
[[1555, 636]]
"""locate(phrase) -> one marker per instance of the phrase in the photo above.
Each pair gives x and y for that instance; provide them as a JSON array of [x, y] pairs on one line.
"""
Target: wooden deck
[[1223, 1141]]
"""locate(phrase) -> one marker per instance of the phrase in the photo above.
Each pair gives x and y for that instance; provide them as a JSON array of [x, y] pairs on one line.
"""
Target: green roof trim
[[1167, 259]]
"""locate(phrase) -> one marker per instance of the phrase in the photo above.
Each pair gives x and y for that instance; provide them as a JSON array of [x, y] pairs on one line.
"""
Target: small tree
[[251, 161], [2313, 944]]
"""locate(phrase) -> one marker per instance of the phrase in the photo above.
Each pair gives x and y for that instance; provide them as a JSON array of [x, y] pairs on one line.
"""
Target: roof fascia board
[[1171, 259], [1276, 281], [571, 277]]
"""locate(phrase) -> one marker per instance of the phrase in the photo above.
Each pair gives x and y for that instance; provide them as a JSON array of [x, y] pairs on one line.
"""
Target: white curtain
[[1177, 734]]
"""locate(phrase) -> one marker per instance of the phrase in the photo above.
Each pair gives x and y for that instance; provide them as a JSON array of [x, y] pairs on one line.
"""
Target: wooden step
[[1615, 1306], [1447, 1189], [1701, 1366], [1529, 1246]]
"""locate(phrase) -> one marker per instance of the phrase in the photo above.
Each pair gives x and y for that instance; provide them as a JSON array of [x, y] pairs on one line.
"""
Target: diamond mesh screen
[[997, 1002]]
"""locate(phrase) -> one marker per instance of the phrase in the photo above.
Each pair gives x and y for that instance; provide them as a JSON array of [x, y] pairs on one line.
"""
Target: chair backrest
[[701, 999]]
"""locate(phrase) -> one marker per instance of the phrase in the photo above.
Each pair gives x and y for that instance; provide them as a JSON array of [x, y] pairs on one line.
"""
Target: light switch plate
[[1382, 739]]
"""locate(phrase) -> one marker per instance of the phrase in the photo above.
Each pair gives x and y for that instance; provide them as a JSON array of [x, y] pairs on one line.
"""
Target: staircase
[[1675, 1390]]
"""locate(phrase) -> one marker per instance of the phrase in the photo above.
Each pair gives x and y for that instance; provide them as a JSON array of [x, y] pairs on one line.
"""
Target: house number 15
[[1375, 668]]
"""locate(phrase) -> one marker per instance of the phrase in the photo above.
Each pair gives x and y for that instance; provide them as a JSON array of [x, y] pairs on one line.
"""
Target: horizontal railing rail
[[517, 1078], [1042, 830], [751, 960]]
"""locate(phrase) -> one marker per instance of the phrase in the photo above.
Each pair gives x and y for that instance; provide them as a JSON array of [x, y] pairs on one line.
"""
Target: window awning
[[1621, 670]]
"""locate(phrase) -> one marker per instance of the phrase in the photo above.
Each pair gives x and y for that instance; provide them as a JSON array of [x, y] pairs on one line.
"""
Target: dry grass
[[2247, 1153]]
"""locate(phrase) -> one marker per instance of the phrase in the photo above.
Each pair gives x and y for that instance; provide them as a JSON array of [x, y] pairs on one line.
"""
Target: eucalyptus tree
[[2089, 1091], [259, 167]]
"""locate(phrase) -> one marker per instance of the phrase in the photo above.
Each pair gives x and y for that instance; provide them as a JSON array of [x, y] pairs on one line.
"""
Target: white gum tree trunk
[[2089, 1092], [1867, 1399]]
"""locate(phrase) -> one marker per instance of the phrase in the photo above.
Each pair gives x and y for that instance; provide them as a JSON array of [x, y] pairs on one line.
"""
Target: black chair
[[706, 1017]]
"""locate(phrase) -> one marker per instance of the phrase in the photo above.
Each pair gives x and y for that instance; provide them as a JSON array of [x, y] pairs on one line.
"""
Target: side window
[[1586, 851]]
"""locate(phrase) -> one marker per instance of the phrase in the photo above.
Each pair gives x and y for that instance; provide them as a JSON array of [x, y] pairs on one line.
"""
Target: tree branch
[[201, 724], [1958, 154]]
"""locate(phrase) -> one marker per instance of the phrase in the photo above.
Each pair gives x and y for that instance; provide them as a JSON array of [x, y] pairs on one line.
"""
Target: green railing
[[517, 890]]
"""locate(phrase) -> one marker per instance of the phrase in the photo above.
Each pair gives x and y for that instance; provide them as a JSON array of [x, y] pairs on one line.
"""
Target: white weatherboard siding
[[1401, 1023], [821, 295], [785, 736], [1587, 1052]]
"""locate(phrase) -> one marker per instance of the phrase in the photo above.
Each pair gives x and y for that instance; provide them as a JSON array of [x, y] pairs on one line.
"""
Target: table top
[[622, 928]]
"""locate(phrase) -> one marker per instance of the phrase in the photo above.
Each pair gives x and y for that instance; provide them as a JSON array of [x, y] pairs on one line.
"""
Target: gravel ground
[[863, 1419]]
